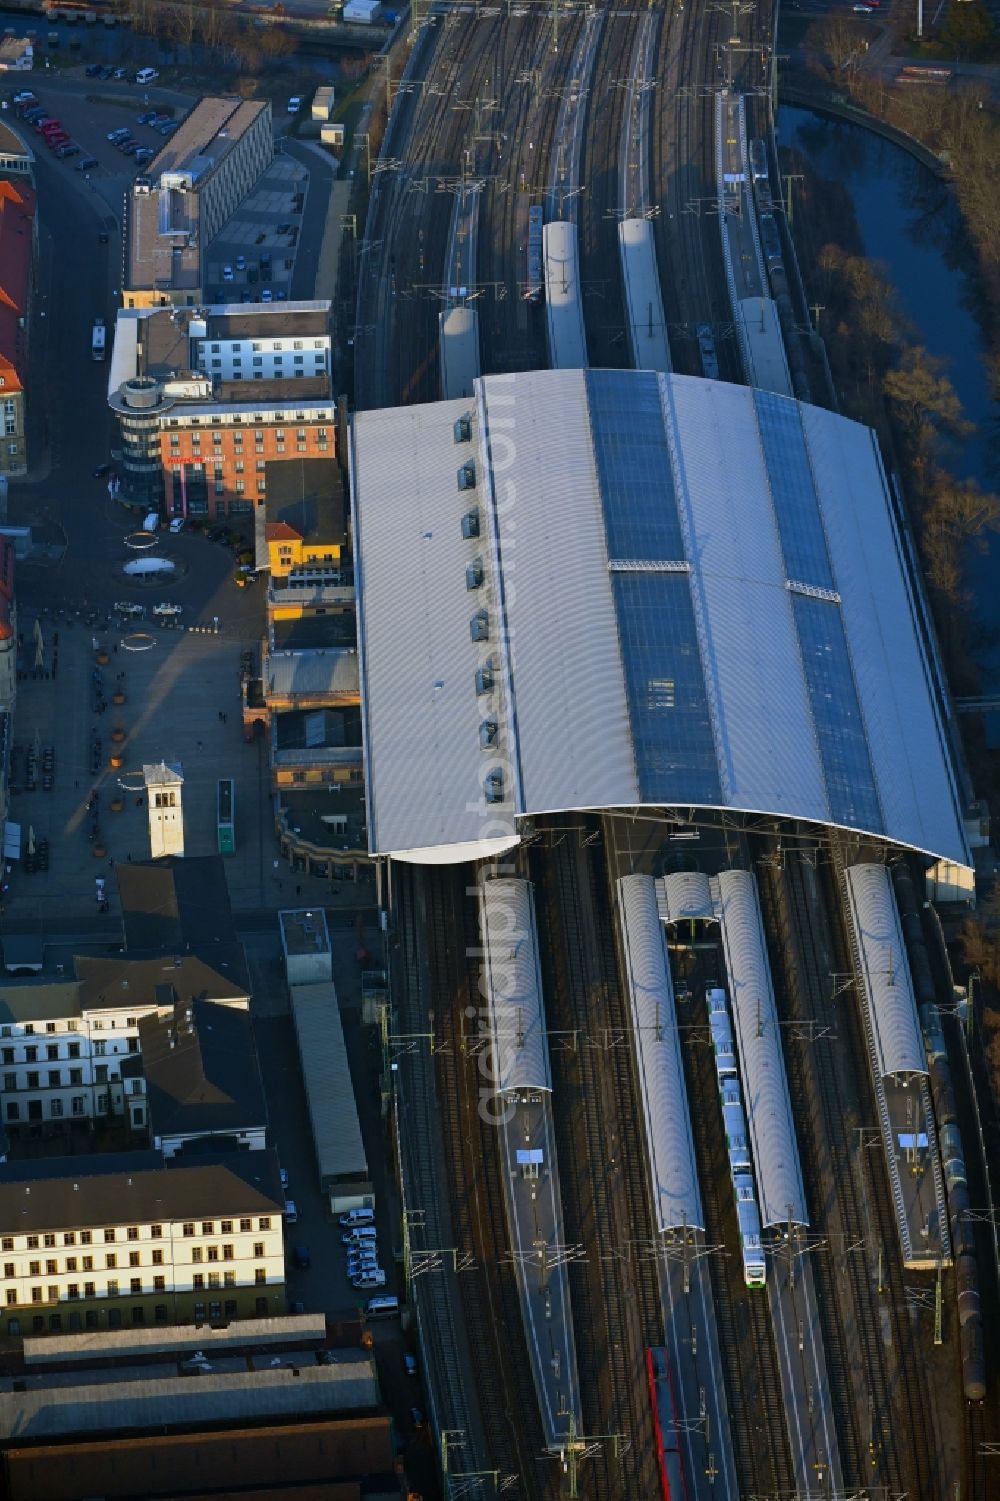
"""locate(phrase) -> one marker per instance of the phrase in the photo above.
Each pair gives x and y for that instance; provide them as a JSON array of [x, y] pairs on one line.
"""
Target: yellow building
[[83, 1248], [304, 525]]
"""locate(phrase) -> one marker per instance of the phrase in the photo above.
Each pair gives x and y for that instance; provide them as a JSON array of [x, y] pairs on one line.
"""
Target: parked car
[[99, 889], [143, 155], [104, 72], [281, 295], [283, 229], [102, 470], [86, 163], [301, 1257], [92, 70], [227, 273], [130, 148], [241, 263], [118, 135], [54, 142], [294, 104], [177, 525], [246, 296], [410, 1364], [291, 1212], [282, 1171], [120, 73], [267, 295], [146, 118], [417, 1418], [70, 149]]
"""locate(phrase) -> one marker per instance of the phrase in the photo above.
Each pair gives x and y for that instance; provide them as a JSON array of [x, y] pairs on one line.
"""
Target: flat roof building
[[190, 188], [635, 589]]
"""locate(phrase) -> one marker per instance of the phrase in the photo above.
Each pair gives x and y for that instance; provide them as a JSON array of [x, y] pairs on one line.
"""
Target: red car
[[50, 127], [60, 138]]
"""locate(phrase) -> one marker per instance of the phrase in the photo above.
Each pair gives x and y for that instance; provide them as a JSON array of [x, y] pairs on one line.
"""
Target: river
[[907, 220]]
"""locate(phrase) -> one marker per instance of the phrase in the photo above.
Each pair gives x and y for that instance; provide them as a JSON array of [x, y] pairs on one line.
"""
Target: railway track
[[597, 214], [892, 1434], [746, 1340], [442, 1331], [617, 1310], [489, 1292]]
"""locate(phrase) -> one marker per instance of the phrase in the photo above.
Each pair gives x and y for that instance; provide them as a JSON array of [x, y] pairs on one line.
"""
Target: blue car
[[147, 118]]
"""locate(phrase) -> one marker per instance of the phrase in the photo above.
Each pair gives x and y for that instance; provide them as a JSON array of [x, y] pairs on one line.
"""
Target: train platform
[[911, 1150]]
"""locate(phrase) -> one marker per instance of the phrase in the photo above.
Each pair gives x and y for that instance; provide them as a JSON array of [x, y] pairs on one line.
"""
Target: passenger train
[[737, 1139], [535, 279]]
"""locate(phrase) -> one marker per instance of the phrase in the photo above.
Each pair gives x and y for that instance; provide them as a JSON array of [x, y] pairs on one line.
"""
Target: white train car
[[748, 1215], [721, 1029], [734, 1121]]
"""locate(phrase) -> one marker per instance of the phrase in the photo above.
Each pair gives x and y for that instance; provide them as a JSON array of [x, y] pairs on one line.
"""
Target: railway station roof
[[599, 589], [674, 1174], [892, 1010]]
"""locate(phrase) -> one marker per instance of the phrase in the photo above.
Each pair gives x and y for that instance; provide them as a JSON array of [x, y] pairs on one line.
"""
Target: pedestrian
[[298, 891], [128, 857], [111, 862], [220, 715], [199, 745], [225, 719]]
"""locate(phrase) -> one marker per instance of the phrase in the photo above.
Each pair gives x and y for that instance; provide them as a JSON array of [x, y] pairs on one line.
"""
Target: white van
[[355, 1217], [152, 522], [373, 1278], [382, 1308], [363, 1235], [146, 75]]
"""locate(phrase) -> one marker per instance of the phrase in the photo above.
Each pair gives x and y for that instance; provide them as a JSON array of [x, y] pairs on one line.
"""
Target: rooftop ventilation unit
[[488, 732], [474, 575], [467, 475], [493, 786], [479, 626], [470, 525], [463, 430], [484, 679]]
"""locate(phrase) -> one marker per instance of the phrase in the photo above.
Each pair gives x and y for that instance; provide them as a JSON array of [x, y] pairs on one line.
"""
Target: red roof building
[[17, 223]]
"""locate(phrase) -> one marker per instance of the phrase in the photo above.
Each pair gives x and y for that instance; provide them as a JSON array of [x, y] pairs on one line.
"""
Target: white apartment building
[[63, 1045], [98, 1243]]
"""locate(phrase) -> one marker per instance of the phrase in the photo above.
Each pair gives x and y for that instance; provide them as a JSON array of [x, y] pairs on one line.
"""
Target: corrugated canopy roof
[[888, 987], [517, 1011], [762, 1066], [673, 1170], [691, 593]]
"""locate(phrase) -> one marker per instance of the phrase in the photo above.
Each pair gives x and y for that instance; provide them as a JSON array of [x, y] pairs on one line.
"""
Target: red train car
[[673, 1484]]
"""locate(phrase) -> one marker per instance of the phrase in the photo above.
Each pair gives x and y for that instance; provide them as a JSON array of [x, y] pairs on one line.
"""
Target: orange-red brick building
[[17, 246]]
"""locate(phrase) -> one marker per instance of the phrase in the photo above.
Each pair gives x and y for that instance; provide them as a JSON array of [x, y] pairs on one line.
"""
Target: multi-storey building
[[102, 1242], [17, 257], [179, 204], [206, 401], [63, 1046], [198, 1063]]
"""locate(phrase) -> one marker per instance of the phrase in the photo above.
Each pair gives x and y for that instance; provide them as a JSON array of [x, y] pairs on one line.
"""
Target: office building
[[102, 1242], [207, 400], [188, 191]]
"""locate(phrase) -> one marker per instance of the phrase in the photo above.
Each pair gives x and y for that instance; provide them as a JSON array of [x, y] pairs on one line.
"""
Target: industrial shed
[[683, 593], [333, 1111], [669, 1143]]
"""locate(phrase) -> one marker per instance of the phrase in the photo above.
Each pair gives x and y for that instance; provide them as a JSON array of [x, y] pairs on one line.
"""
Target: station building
[[17, 263]]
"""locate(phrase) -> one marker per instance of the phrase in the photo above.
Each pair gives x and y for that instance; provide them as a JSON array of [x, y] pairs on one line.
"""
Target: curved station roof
[[600, 589]]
